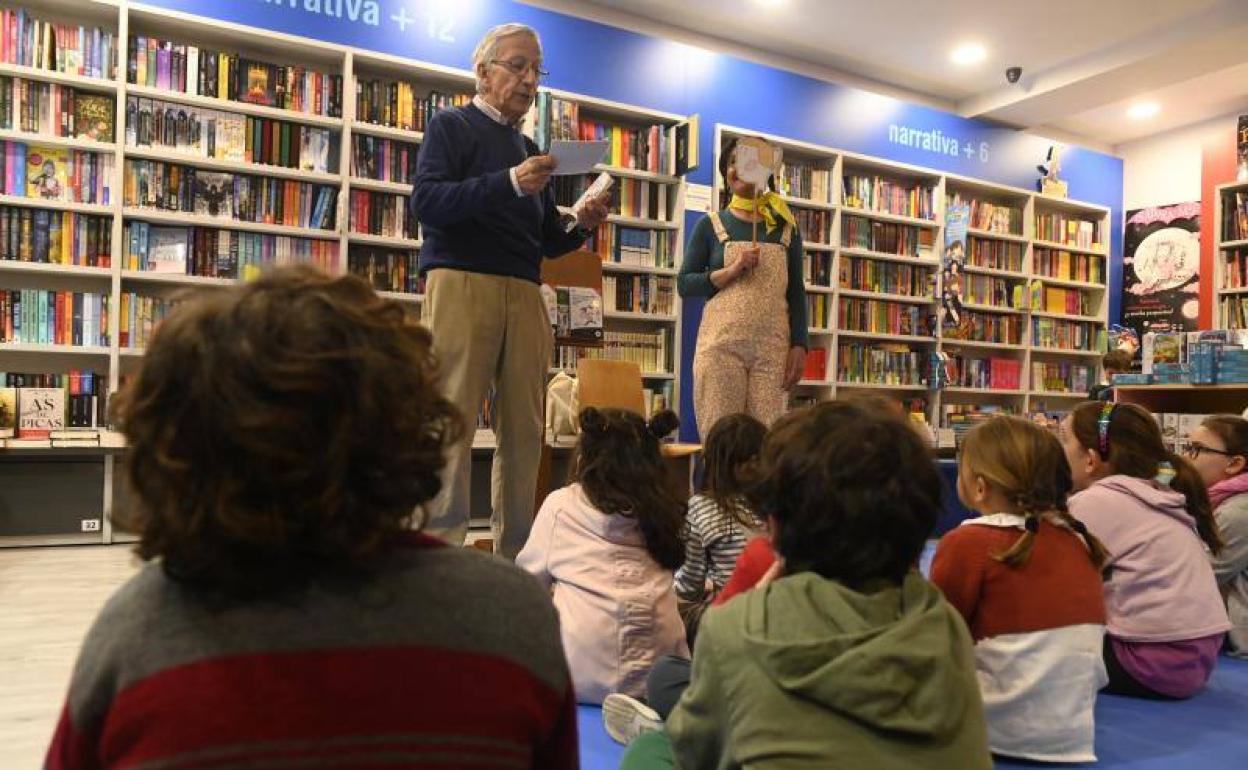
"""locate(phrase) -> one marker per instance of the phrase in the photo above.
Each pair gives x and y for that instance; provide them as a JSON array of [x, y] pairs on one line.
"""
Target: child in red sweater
[[1025, 576]]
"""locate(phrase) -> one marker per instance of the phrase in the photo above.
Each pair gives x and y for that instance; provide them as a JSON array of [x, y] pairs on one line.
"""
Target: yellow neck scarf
[[769, 206]]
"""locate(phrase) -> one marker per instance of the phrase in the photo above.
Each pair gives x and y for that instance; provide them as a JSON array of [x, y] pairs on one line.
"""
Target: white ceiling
[[1084, 61]]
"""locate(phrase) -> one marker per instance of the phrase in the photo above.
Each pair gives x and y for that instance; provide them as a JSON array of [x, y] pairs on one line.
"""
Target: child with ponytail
[[1025, 575], [1218, 449], [1165, 617], [606, 546]]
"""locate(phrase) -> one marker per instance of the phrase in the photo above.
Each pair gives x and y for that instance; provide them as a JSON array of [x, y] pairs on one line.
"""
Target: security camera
[[1013, 74]]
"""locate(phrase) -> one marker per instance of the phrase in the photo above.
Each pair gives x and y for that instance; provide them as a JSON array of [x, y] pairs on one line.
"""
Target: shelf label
[[698, 197]]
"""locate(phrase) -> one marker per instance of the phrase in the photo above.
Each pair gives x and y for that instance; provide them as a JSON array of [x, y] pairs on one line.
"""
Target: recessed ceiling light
[[1143, 110], [969, 53]]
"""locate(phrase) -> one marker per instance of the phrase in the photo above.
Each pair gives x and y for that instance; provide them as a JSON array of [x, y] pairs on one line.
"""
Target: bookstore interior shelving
[[1033, 284], [194, 191], [1231, 255]]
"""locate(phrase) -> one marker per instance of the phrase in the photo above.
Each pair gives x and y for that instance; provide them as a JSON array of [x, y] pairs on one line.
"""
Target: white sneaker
[[625, 718]]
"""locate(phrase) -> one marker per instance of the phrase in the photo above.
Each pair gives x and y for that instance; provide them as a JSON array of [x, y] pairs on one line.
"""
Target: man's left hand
[[794, 366], [594, 212]]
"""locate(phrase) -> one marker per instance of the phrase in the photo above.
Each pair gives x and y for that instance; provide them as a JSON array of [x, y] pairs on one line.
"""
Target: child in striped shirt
[[719, 521]]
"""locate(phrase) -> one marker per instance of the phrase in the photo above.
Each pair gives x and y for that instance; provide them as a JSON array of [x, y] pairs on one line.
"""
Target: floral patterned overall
[[743, 341]]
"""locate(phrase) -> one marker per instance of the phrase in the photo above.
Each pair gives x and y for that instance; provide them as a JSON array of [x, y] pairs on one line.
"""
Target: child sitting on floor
[[1218, 449], [849, 658], [1165, 617], [606, 545], [720, 518], [1025, 576]]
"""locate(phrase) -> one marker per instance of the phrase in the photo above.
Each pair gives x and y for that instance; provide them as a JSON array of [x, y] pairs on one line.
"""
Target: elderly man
[[488, 216]]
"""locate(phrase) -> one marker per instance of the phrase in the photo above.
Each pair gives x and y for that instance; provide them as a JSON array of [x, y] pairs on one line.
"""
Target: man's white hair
[[488, 47]]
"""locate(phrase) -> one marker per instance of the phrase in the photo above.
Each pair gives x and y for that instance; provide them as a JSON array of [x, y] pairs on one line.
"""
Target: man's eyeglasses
[[518, 67], [1195, 449]]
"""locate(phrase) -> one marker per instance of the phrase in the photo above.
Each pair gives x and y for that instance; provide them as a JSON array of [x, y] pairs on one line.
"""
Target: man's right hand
[[533, 174]]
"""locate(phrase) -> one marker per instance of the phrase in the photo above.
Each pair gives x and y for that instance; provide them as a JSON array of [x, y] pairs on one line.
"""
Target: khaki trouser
[[490, 329]]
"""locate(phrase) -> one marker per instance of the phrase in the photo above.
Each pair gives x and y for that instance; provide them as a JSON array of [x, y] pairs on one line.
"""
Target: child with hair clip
[[606, 546], [1149, 507], [1218, 449], [720, 519], [1025, 575]]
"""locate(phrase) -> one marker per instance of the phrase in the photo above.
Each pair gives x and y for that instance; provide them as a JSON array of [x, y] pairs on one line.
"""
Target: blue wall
[[602, 61]]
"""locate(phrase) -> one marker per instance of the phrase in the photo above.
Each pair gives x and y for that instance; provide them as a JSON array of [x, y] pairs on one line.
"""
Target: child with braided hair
[[1025, 576]]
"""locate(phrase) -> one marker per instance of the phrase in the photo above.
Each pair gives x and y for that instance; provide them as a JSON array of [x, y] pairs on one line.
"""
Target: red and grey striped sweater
[[449, 659]]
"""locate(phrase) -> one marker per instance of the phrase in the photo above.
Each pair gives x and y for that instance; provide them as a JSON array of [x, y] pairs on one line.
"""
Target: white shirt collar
[[481, 104]]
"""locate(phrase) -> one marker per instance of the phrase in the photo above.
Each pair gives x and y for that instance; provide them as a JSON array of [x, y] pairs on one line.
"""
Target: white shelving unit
[[1230, 259], [129, 19], [1028, 396]]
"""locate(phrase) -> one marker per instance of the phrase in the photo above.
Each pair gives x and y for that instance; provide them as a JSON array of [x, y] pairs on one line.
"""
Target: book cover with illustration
[[259, 88], [94, 117], [167, 250], [214, 194], [47, 170], [8, 412], [40, 411]]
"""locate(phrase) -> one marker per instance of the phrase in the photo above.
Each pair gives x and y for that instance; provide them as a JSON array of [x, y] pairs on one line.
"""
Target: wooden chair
[[610, 385]]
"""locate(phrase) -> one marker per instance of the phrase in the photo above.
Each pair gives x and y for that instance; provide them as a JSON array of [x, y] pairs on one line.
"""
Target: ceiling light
[[969, 53], [1143, 110]]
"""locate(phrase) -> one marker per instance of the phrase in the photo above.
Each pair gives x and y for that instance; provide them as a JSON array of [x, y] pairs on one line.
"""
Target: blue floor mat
[[1208, 732]]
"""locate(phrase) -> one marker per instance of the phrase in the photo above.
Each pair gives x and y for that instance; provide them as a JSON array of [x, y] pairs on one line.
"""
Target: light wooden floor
[[48, 598]]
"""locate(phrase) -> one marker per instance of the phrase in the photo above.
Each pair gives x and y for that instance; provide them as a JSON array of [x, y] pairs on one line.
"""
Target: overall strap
[[787, 235], [718, 224]]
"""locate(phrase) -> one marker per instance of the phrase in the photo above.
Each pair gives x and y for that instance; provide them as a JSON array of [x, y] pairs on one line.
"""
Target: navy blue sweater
[[469, 214]]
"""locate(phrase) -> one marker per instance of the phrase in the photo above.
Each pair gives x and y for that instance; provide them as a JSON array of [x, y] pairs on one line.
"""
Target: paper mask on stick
[[756, 161]]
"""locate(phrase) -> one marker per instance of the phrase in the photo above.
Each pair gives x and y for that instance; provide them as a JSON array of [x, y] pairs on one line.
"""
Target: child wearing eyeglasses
[[1148, 506], [1219, 451]]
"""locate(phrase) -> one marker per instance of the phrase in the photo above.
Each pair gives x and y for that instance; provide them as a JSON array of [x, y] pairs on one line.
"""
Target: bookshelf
[[885, 216], [1230, 260], [331, 247]]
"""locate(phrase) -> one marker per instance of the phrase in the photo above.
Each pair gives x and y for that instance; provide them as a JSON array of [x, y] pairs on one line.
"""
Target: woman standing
[[752, 342]]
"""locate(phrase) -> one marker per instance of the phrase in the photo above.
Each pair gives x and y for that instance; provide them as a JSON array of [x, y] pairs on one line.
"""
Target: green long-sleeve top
[[704, 254]]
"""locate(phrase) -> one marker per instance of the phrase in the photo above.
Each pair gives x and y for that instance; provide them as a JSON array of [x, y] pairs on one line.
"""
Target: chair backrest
[[610, 385]]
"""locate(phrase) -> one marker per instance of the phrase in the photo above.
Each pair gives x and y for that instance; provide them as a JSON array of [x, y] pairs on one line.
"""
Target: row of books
[[805, 180], [385, 160], [1051, 299], [994, 254], [637, 246], [891, 196], [1235, 269], [63, 416], [880, 364], [55, 173], [987, 327], [1068, 229], [649, 350], [880, 317], [817, 267], [645, 148], [995, 373], [1055, 263], [240, 197], [886, 237], [171, 66], [639, 293], [888, 277], [39, 317], [396, 104], [819, 310], [229, 136], [816, 367], [138, 316], [1234, 312], [55, 237], [1235, 216], [814, 225], [387, 269], [213, 253], [639, 198], [378, 213], [51, 109], [960, 418], [30, 41], [1067, 335], [989, 290], [994, 217], [1061, 377]]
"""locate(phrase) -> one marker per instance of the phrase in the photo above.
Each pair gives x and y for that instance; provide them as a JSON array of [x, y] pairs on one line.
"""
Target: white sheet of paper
[[577, 157]]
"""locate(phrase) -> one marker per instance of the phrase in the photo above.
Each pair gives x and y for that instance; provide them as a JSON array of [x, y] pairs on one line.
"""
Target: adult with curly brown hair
[[280, 436]]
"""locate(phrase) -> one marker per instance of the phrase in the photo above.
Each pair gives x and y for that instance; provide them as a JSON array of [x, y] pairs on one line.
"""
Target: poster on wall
[[1160, 263]]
